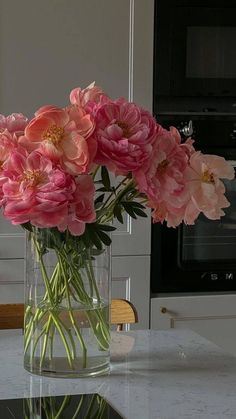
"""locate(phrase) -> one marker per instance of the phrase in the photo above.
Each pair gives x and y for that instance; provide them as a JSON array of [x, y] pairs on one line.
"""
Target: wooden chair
[[122, 312]]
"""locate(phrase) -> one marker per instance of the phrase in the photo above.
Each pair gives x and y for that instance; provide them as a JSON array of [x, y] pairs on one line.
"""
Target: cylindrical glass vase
[[67, 298]]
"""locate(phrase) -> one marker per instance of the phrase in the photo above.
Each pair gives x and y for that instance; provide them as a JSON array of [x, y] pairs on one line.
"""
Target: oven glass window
[[211, 52], [211, 241]]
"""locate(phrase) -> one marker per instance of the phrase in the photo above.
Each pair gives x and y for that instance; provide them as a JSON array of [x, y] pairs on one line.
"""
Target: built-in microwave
[[194, 53]]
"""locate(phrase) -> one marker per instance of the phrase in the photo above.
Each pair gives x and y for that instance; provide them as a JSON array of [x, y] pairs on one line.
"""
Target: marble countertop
[[174, 374]]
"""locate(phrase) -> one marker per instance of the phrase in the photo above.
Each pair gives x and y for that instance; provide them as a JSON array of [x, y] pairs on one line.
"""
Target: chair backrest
[[122, 312], [11, 316]]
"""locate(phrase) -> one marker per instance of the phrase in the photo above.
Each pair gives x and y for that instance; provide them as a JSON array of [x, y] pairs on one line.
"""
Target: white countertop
[[172, 374]]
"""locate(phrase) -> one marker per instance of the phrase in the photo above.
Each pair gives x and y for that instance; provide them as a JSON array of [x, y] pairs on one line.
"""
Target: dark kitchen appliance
[[195, 90], [199, 258], [194, 54]]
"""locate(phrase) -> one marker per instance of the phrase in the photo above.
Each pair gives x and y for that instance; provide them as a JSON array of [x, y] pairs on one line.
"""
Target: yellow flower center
[[34, 177], [207, 177], [54, 134], [162, 166], [125, 128]]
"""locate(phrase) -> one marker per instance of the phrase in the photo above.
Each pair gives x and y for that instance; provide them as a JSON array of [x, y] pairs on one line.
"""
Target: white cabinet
[[130, 280], [133, 237], [212, 316]]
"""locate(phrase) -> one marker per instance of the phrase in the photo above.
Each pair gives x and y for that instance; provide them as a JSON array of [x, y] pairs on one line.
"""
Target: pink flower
[[8, 142], [82, 97], [125, 134], [165, 212], [57, 137], [14, 123], [202, 177], [35, 191], [163, 179], [82, 121], [81, 209]]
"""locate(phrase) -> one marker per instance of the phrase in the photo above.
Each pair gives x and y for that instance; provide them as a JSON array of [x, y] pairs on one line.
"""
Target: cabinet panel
[[11, 271], [212, 316], [133, 237], [78, 44], [131, 280]]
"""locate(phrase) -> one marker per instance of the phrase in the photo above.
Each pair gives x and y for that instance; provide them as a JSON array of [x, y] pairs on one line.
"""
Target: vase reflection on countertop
[[68, 407]]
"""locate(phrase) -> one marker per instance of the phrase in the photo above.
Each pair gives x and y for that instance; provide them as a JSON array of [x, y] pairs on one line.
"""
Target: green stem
[[36, 341], [92, 277], [51, 337], [75, 415], [43, 270], [60, 331], [65, 400], [77, 331], [115, 190], [45, 341], [88, 414]]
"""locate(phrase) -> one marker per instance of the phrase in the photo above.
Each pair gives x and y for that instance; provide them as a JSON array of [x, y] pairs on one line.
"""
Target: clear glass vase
[[67, 297]]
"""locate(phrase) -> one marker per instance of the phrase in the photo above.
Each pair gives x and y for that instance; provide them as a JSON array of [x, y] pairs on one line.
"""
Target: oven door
[[198, 258]]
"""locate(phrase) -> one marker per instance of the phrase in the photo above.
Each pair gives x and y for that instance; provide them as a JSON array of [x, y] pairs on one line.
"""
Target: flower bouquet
[[55, 182]]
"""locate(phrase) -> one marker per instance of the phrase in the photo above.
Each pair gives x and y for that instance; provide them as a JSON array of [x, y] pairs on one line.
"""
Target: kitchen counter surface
[[173, 374]]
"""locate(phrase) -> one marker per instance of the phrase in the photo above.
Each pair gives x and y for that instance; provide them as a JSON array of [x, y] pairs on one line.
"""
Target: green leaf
[[96, 252], [139, 212], [118, 213], [128, 208], [103, 189], [49, 238], [93, 236], [99, 199], [105, 227], [138, 205], [105, 178], [27, 226], [104, 238]]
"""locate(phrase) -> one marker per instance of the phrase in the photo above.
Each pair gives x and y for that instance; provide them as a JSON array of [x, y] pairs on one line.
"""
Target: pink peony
[[163, 179], [57, 137], [202, 177], [81, 210], [82, 121], [8, 143], [82, 97], [14, 123], [203, 191], [164, 212], [124, 133], [35, 191]]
